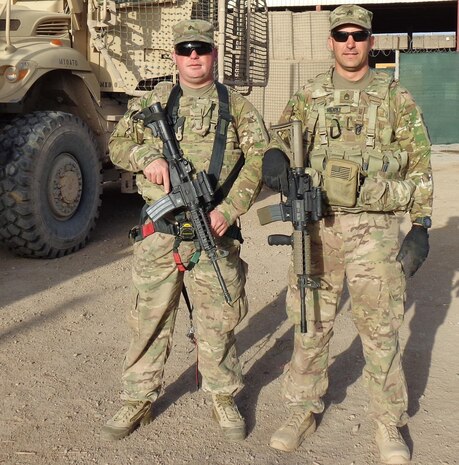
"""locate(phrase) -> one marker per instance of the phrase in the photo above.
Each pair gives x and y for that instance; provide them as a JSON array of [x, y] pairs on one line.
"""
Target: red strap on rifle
[[148, 229], [178, 261]]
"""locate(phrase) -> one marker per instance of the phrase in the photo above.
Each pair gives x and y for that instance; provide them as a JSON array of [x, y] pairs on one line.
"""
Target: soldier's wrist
[[144, 156], [423, 221]]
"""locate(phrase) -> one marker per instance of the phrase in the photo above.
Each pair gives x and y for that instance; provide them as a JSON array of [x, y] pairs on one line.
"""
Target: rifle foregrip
[[279, 239]]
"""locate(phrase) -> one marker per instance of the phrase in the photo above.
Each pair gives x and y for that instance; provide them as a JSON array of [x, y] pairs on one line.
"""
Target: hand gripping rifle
[[303, 205], [195, 195]]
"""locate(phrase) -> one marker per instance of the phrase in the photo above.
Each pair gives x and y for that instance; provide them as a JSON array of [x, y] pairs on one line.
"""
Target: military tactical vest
[[195, 126], [349, 137], [221, 127]]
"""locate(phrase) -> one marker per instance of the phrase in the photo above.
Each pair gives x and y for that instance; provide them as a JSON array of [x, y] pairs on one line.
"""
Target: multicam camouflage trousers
[[157, 285], [360, 248]]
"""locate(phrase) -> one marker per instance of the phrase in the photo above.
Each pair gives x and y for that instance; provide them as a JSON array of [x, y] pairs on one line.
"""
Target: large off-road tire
[[50, 184]]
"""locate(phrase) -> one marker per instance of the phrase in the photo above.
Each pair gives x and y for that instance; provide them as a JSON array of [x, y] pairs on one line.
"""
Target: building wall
[[297, 52]]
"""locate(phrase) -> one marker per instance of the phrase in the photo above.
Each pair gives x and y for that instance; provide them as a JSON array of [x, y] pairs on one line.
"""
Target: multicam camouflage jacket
[[379, 129], [133, 147]]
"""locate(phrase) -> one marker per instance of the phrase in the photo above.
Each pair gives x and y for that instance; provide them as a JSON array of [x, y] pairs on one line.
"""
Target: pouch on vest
[[382, 194], [315, 176], [387, 161], [341, 182], [200, 116]]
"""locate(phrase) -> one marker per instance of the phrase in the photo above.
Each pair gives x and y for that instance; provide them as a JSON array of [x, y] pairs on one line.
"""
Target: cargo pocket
[[233, 314], [397, 290], [132, 315]]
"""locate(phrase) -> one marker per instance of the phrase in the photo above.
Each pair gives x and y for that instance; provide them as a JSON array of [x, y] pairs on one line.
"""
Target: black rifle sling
[[221, 131], [172, 104]]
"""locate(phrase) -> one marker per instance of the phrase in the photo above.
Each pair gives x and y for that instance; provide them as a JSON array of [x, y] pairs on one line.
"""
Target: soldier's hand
[[157, 172], [275, 170], [414, 250], [218, 223]]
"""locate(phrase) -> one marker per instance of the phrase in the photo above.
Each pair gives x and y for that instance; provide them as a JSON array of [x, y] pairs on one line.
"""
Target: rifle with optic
[[302, 206]]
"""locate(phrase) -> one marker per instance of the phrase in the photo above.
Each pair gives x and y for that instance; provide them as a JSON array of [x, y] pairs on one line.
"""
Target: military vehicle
[[67, 71]]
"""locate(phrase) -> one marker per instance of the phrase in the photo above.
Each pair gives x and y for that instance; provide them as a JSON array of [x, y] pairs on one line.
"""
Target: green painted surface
[[433, 80]]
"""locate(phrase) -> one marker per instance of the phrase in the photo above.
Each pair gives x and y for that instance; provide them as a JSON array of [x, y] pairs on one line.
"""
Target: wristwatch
[[423, 221]]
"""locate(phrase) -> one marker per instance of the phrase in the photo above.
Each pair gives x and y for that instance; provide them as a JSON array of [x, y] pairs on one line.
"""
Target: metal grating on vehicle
[[138, 40], [246, 43], [53, 27]]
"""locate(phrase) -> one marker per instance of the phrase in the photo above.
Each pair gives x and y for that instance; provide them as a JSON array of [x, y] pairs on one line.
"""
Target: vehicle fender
[[43, 58]]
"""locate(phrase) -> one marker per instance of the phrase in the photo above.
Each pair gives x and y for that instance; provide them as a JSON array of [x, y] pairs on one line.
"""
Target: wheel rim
[[65, 184]]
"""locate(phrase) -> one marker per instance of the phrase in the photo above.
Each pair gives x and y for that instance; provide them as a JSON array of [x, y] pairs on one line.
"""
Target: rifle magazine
[[270, 214], [163, 206]]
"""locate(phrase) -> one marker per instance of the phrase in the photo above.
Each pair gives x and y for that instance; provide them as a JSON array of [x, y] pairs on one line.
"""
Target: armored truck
[[67, 71]]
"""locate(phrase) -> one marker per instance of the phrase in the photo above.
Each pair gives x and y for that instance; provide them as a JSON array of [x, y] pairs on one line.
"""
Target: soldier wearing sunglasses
[[198, 108], [366, 145]]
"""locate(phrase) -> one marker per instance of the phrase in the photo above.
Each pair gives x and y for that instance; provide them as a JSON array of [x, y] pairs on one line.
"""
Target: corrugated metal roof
[[285, 3]]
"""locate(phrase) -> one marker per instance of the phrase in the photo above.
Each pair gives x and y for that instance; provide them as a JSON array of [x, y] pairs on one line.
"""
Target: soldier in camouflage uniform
[[366, 144], [157, 281]]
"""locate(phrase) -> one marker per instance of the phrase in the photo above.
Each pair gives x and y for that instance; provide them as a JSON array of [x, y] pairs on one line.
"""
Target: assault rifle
[[303, 205], [194, 194]]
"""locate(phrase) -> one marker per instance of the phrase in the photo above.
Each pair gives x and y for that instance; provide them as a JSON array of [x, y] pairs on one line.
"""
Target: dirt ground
[[63, 337]]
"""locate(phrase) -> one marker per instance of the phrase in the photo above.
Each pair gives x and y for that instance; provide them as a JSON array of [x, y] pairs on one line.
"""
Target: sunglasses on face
[[185, 49], [358, 36]]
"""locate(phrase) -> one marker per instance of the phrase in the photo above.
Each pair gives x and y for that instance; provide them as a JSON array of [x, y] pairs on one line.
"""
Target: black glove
[[414, 250], [275, 170]]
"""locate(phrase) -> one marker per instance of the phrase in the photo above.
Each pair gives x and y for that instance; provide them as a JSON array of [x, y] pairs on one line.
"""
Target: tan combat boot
[[392, 448], [225, 411], [128, 418], [290, 435]]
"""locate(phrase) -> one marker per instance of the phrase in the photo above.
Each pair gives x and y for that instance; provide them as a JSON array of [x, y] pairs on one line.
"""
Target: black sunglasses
[[358, 36], [185, 49]]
